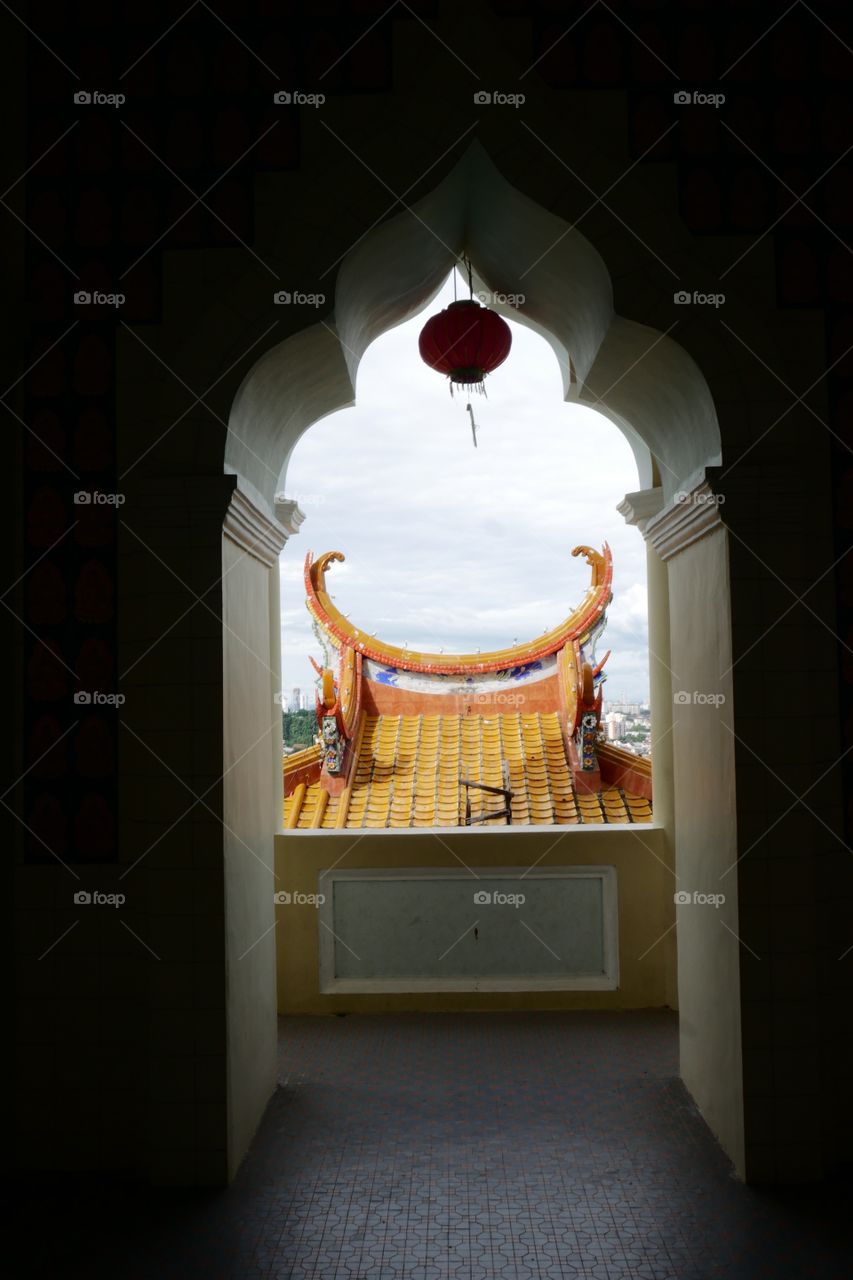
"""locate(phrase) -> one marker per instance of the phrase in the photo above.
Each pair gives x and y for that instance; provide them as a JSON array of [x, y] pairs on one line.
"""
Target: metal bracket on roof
[[504, 791]]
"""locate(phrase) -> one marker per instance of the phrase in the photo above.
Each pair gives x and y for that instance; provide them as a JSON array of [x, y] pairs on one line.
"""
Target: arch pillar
[[693, 708], [200, 653], [794, 871], [638, 509], [252, 541]]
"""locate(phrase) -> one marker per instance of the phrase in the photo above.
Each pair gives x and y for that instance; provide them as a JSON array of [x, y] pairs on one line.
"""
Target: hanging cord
[[473, 423], [465, 263], [476, 388]]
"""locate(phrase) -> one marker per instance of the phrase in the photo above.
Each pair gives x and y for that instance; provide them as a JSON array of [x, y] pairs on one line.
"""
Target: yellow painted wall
[[646, 909]]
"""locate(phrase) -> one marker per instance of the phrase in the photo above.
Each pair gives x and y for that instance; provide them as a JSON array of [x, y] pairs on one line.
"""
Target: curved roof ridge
[[578, 623]]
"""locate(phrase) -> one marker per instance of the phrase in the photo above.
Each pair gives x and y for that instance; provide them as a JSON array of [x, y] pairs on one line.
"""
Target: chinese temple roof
[[579, 623], [512, 736]]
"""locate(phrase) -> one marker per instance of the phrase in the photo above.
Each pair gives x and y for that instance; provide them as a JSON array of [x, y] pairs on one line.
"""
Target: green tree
[[298, 728]]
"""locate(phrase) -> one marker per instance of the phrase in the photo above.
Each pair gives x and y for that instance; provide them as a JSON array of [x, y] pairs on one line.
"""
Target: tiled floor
[[465, 1146]]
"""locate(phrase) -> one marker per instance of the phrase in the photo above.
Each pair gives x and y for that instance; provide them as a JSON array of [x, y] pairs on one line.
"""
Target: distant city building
[[629, 725], [614, 726], [295, 700]]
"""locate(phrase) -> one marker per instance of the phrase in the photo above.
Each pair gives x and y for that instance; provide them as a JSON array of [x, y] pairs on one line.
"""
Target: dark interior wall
[[109, 206]]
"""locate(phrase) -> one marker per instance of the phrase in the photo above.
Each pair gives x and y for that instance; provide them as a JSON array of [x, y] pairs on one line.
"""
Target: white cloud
[[454, 547]]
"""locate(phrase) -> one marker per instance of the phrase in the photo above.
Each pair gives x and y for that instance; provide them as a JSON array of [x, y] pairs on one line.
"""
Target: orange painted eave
[[574, 627]]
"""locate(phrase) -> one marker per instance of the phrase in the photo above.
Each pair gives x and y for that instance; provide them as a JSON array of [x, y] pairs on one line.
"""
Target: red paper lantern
[[465, 341]]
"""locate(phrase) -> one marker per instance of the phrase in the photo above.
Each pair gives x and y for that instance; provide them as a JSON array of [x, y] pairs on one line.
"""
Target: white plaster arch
[[648, 385], [635, 375]]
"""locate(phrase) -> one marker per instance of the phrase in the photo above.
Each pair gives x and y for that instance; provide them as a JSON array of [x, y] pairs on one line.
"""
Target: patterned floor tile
[[460, 1147]]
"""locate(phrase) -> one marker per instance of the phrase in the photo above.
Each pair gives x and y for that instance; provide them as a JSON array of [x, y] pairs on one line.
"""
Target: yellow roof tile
[[409, 766]]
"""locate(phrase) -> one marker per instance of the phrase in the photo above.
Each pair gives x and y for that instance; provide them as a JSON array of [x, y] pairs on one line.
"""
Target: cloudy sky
[[456, 548]]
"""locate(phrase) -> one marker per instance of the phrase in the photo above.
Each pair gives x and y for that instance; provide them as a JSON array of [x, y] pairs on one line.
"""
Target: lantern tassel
[[479, 388]]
